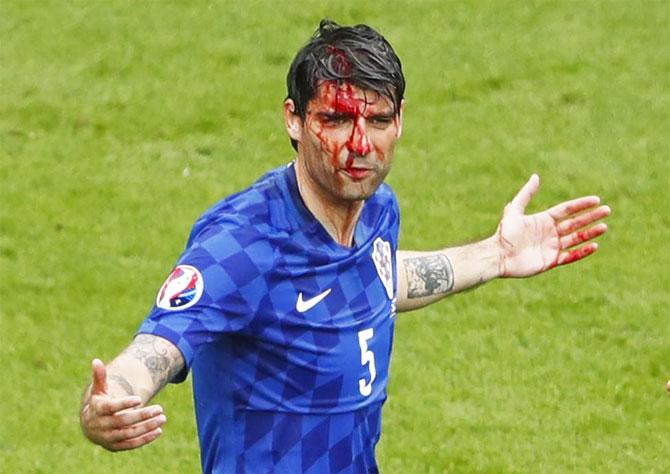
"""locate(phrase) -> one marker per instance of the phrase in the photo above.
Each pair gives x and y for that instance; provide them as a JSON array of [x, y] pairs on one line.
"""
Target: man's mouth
[[357, 173]]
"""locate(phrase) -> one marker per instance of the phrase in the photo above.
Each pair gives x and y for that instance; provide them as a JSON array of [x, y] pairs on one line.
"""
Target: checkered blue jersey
[[288, 334]]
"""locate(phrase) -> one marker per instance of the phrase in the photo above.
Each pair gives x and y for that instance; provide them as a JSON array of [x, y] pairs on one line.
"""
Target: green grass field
[[120, 122]]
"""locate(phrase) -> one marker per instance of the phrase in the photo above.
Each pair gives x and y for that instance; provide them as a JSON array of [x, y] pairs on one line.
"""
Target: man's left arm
[[523, 245]]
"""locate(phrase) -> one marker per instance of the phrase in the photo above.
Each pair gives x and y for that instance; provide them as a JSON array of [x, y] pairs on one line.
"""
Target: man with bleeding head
[[343, 115], [288, 327]]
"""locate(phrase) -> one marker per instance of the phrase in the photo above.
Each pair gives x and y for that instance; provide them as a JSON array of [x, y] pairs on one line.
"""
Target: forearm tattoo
[[123, 382], [156, 356], [428, 275]]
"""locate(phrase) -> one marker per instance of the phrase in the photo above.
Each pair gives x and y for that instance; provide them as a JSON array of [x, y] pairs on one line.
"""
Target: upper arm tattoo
[[428, 275], [158, 356]]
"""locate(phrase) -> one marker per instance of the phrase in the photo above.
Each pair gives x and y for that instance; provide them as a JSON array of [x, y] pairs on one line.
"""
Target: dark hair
[[356, 54]]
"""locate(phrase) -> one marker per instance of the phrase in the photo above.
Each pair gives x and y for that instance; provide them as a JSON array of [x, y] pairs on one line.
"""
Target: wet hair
[[355, 54]]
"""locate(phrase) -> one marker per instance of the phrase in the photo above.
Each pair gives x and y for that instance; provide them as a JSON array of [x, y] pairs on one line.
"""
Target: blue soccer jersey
[[288, 333]]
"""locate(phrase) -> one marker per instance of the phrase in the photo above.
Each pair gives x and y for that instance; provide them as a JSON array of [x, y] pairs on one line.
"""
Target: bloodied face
[[346, 141]]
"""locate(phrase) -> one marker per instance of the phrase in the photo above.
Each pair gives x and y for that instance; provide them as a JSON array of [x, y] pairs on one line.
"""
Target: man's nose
[[358, 142]]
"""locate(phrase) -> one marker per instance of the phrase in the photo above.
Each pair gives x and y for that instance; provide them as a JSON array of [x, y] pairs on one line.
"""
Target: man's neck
[[338, 218]]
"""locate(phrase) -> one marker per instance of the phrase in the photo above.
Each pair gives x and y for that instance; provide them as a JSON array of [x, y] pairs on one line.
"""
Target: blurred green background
[[120, 122]]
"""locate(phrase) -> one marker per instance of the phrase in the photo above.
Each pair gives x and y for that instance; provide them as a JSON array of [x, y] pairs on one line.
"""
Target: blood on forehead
[[347, 99], [340, 106]]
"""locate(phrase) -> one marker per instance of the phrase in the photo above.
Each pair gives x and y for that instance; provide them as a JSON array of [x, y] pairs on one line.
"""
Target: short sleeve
[[212, 291]]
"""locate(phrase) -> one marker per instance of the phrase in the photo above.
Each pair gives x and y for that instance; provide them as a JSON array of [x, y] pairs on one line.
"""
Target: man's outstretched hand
[[531, 244], [117, 422]]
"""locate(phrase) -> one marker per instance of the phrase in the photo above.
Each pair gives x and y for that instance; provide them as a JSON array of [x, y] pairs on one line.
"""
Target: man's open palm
[[534, 243]]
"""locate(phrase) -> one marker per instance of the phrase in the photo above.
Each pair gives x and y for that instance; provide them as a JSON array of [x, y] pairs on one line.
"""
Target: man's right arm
[[113, 409]]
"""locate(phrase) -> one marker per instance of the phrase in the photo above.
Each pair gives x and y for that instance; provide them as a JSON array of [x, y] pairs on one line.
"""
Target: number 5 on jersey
[[367, 357]]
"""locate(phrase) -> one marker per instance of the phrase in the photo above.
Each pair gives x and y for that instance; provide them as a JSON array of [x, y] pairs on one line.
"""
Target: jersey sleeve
[[211, 291], [395, 222]]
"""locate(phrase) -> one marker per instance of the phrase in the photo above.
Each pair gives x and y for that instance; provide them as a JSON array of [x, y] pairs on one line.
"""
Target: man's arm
[[425, 277], [113, 409], [523, 245]]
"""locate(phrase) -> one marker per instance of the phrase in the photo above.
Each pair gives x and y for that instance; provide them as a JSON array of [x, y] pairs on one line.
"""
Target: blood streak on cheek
[[332, 150], [324, 100]]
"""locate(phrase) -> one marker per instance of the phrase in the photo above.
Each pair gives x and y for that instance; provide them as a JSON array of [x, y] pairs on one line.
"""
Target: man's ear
[[399, 118], [292, 121]]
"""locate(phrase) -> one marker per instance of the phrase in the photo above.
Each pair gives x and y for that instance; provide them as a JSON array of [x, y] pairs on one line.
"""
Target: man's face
[[347, 140]]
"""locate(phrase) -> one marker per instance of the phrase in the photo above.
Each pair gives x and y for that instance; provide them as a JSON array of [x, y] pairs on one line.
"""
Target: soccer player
[[283, 303]]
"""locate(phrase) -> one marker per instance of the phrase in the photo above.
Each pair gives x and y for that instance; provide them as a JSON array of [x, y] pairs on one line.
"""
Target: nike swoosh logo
[[304, 305]]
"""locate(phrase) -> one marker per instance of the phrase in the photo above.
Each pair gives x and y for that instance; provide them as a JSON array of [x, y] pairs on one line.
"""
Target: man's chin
[[359, 191]]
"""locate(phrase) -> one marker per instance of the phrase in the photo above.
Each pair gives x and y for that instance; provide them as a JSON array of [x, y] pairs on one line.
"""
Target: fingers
[[99, 370], [569, 225], [574, 255], [125, 429], [136, 442], [138, 429], [577, 238], [108, 406], [130, 417], [568, 208], [526, 193]]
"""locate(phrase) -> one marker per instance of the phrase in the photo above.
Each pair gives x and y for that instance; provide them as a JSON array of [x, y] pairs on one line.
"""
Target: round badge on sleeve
[[182, 289]]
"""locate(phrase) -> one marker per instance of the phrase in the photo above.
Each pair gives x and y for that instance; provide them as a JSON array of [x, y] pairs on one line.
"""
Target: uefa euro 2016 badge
[[182, 289], [381, 255]]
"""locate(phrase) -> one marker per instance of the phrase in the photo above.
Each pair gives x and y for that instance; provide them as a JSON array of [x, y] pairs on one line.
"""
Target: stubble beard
[[335, 187], [353, 190]]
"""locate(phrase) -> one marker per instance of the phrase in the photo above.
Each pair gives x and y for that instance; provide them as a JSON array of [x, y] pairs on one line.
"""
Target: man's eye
[[337, 120], [381, 121]]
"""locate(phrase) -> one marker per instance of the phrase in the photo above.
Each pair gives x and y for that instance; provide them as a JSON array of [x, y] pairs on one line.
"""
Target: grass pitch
[[120, 122]]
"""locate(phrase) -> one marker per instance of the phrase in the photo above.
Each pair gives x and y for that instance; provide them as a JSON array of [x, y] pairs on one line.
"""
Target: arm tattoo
[[123, 382], [429, 275], [156, 356]]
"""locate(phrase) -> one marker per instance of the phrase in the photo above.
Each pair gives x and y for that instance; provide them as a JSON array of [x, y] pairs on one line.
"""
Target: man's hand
[[531, 244], [117, 422]]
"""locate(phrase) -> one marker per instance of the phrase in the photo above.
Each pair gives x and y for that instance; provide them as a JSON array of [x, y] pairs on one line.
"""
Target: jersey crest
[[182, 289], [381, 255]]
